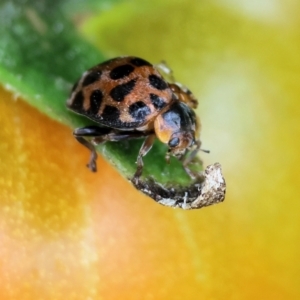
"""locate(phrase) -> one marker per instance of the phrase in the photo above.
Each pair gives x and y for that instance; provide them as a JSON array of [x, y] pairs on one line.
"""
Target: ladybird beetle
[[129, 98]]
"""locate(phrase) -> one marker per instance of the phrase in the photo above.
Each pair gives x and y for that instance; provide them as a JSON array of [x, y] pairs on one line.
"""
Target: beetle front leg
[[145, 148], [186, 161]]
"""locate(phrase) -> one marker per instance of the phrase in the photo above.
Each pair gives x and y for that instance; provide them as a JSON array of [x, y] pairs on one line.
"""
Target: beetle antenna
[[206, 151]]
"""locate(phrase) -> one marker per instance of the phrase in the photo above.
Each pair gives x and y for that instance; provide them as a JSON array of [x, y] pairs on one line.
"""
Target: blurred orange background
[[69, 234]]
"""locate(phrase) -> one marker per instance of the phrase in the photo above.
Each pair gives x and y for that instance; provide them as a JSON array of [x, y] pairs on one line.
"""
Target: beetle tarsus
[[92, 165], [136, 176]]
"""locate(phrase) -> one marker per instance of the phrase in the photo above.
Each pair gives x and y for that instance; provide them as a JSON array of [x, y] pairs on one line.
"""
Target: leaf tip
[[208, 189]]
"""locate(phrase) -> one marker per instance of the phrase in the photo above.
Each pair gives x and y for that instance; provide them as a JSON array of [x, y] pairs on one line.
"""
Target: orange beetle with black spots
[[129, 98]]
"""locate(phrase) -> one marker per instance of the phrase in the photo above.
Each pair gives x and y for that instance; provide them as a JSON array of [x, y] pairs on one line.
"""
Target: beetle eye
[[174, 142]]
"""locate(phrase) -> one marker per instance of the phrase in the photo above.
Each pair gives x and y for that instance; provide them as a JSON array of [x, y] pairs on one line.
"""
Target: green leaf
[[42, 55]]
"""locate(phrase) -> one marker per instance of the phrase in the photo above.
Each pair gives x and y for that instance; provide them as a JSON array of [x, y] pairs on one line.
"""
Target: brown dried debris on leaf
[[208, 190]]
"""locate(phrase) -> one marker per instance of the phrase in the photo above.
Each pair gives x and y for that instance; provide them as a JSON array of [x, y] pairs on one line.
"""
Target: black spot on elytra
[[95, 102], [119, 92], [92, 77], [139, 62], [111, 113], [157, 82], [77, 102], [157, 101], [121, 71], [139, 110]]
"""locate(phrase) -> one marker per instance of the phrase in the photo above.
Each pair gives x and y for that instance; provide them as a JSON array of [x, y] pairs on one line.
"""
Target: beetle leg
[[189, 159], [90, 131], [167, 157], [91, 136], [189, 172], [193, 154], [145, 148]]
